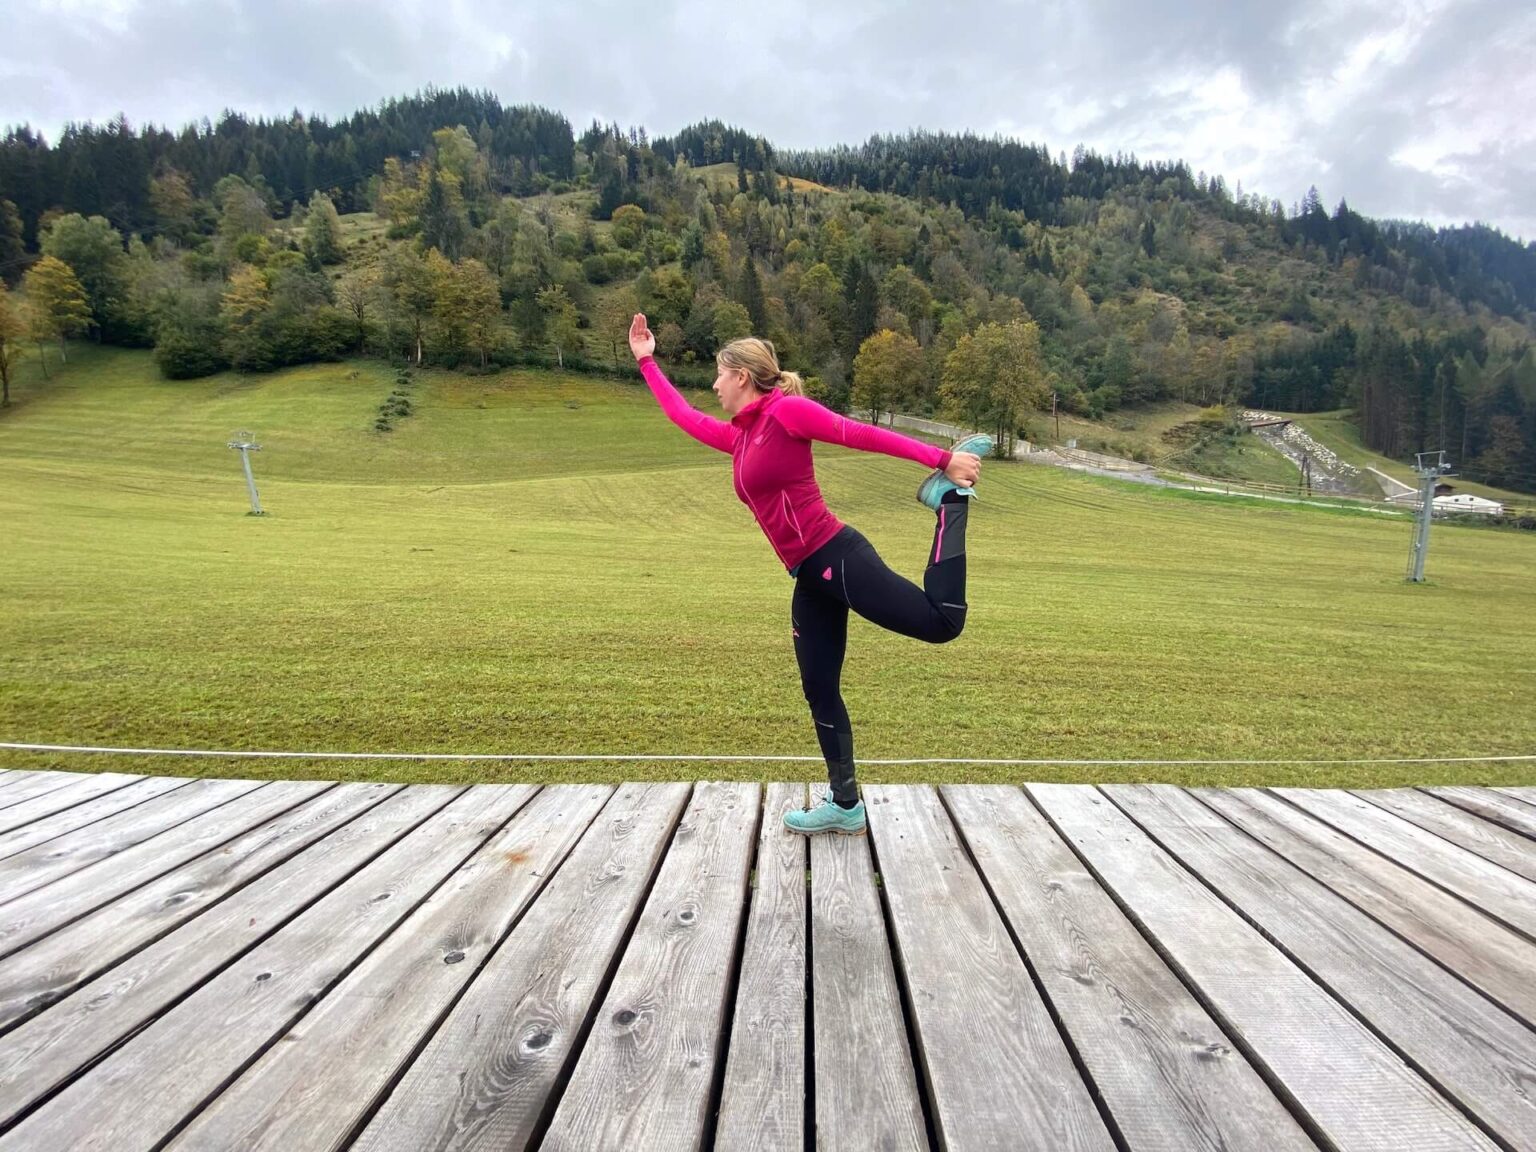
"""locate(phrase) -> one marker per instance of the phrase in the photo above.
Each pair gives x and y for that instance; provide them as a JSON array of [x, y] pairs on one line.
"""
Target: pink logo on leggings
[[827, 575]]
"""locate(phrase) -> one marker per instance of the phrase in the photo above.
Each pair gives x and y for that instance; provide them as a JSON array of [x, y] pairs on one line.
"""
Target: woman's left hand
[[964, 468]]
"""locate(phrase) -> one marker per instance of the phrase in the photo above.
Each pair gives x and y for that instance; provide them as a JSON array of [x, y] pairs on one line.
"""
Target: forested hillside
[[913, 272]]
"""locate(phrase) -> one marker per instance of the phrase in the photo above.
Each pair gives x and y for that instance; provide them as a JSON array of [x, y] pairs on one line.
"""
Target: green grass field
[[541, 564]]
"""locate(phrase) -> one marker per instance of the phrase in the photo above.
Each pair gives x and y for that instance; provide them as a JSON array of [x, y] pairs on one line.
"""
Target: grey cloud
[[1115, 74]]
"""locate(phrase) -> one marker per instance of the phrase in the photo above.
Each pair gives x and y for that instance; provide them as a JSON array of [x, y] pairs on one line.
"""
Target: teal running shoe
[[930, 493], [827, 816]]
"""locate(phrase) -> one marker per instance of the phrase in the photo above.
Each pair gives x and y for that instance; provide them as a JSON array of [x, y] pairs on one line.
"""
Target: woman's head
[[747, 368]]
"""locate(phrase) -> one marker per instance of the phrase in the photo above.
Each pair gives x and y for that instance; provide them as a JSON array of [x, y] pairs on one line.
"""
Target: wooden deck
[[244, 965]]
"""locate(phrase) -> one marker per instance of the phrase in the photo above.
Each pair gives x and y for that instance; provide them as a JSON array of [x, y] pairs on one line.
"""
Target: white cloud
[[1416, 108]]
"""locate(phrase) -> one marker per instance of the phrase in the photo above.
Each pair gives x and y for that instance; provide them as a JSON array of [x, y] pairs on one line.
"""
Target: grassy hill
[[539, 563], [1335, 431], [1146, 282]]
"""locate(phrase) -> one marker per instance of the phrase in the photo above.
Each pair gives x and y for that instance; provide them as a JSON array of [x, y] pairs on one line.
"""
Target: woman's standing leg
[[848, 573], [819, 621]]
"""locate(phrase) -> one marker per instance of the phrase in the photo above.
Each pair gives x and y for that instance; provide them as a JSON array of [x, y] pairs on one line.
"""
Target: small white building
[[1464, 503]]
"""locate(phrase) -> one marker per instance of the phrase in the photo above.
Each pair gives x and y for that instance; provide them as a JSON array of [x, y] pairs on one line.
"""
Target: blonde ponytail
[[760, 362]]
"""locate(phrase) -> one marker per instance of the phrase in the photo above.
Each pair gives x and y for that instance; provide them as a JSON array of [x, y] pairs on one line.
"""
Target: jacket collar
[[748, 415]]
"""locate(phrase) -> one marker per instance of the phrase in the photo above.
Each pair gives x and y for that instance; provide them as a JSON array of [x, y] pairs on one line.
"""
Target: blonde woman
[[768, 435]]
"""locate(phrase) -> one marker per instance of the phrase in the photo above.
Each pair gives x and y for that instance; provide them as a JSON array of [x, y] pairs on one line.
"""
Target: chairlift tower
[[1430, 467], [245, 443]]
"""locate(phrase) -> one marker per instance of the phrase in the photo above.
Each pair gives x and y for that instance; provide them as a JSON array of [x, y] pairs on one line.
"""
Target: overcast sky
[[1424, 109]]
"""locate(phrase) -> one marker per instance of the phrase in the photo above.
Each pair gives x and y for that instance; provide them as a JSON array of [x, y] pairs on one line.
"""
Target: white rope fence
[[740, 759]]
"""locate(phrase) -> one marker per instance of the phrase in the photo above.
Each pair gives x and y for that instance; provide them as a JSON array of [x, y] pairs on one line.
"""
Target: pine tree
[[922, 257], [443, 223], [13, 249], [751, 295], [863, 305], [609, 197]]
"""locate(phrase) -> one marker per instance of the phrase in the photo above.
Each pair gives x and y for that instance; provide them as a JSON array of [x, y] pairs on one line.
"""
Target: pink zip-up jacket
[[769, 442]]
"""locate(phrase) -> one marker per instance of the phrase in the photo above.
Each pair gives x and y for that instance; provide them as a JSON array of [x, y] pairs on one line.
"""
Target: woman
[[769, 437]]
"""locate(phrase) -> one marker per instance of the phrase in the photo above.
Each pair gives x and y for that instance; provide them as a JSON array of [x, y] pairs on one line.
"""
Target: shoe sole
[[931, 480], [987, 440], [828, 831]]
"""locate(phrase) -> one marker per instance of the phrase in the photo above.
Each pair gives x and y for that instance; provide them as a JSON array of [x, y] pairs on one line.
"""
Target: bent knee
[[948, 625]]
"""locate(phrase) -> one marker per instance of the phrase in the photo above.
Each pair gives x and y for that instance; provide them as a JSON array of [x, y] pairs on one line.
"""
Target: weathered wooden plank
[[1165, 1071], [976, 1016], [485, 1078], [644, 1079], [51, 968], [1354, 1090], [313, 1088], [27, 871], [76, 792], [1489, 956], [1484, 885], [1463, 1043], [1522, 794], [1490, 841], [866, 1085], [52, 827], [762, 1107], [33, 784], [141, 1092], [1491, 804], [46, 1051], [46, 909]]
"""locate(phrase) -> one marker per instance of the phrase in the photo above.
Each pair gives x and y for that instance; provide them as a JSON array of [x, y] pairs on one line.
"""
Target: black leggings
[[845, 573]]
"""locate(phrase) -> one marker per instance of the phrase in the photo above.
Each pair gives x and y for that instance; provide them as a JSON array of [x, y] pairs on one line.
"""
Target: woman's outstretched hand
[[641, 342], [963, 468]]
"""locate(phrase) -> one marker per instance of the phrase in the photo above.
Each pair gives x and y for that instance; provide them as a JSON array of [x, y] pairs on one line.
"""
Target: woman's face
[[734, 388]]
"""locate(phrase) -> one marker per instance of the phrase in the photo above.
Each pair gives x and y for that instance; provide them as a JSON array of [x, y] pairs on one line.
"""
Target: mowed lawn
[[541, 564]]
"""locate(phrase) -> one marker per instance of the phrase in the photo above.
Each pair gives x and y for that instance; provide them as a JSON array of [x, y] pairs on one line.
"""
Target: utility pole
[[245, 442], [1055, 415], [1430, 467]]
